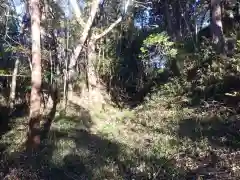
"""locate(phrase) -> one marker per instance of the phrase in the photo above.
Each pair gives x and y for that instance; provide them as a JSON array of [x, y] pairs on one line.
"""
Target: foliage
[[161, 43], [3, 71], [182, 96]]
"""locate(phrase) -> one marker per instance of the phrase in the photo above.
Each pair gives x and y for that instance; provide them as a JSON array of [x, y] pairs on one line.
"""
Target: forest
[[119, 89]]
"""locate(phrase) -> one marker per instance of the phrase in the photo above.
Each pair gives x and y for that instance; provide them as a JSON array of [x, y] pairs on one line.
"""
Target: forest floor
[[159, 139]]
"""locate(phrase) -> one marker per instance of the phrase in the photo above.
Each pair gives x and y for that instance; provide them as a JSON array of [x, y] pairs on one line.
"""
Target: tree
[[216, 25], [12, 95], [85, 33], [89, 38], [35, 99]]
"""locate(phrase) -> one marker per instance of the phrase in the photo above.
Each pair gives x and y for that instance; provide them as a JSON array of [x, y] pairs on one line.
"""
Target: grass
[[152, 141]]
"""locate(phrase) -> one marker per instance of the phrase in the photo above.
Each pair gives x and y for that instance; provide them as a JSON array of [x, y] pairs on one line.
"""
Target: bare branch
[[96, 37], [85, 33], [113, 24]]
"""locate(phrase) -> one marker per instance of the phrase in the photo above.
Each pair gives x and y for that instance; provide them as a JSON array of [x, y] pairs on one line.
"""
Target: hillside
[[119, 90], [163, 138]]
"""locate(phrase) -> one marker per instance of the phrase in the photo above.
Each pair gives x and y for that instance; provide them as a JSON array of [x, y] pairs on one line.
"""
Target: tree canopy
[[103, 89]]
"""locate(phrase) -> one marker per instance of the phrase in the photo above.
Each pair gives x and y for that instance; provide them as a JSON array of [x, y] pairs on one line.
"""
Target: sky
[[20, 6]]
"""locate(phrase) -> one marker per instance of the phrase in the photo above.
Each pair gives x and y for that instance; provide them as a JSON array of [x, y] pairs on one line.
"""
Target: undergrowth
[[163, 138]]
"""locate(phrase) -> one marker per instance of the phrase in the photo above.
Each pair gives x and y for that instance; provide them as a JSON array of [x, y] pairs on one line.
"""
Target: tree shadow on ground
[[71, 151], [222, 132], [89, 156], [8, 115], [219, 132]]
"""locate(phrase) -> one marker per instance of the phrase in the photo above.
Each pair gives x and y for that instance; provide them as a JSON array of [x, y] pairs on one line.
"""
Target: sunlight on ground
[[15, 138], [151, 141]]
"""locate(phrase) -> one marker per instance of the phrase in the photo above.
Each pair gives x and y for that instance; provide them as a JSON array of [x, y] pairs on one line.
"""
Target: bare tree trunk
[[51, 67], [30, 63], [84, 36], [65, 84], [13, 85], [92, 56], [65, 93], [95, 92], [35, 102], [216, 25], [79, 47]]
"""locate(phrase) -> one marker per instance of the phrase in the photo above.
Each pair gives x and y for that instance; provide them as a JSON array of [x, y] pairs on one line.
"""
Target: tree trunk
[[216, 26], [13, 84], [88, 26], [95, 88], [92, 56], [168, 18], [178, 15], [35, 100], [65, 84], [54, 100], [65, 93], [79, 47]]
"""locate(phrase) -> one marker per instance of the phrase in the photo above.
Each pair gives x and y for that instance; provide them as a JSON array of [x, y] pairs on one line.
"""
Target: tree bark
[[92, 56], [84, 36], [217, 26], [79, 47], [35, 99], [13, 85], [178, 15], [95, 88], [168, 18]]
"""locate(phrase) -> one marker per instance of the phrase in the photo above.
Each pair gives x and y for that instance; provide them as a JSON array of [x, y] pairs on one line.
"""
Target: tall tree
[[85, 33], [34, 122], [90, 38], [13, 84]]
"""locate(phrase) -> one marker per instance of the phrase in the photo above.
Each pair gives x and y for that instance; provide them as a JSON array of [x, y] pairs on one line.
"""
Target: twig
[[108, 29]]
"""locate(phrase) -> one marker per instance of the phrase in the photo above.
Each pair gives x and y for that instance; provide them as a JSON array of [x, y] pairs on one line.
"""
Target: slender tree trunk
[[51, 67], [79, 47], [30, 63], [178, 15], [85, 34], [92, 56], [216, 25], [95, 89], [13, 85], [54, 97], [168, 17], [35, 100], [65, 84]]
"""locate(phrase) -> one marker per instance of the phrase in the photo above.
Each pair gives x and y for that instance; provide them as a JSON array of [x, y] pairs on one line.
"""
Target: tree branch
[[77, 12], [84, 36], [96, 37], [10, 75]]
